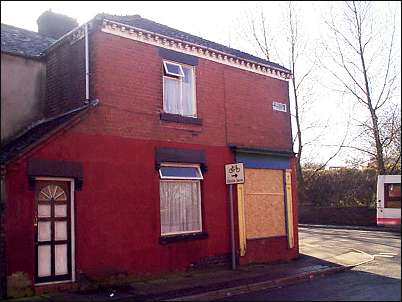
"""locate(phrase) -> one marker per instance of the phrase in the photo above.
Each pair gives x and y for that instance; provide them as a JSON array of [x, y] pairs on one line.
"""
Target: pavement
[[377, 228], [372, 280], [316, 260]]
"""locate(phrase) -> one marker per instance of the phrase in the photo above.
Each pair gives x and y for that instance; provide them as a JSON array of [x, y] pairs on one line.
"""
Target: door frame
[[72, 226]]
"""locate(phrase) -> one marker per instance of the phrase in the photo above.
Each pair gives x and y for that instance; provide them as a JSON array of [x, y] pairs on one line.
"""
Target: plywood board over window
[[264, 203]]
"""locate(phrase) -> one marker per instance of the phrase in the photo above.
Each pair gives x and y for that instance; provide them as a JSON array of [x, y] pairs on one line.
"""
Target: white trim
[[165, 62], [72, 226], [52, 282], [182, 233], [141, 35], [172, 164]]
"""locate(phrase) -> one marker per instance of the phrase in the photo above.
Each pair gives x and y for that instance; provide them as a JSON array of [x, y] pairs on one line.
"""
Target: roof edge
[[16, 54], [100, 21], [213, 50], [79, 112]]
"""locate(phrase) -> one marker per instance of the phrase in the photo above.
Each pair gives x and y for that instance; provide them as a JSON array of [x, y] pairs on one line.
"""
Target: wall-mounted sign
[[279, 106], [234, 174]]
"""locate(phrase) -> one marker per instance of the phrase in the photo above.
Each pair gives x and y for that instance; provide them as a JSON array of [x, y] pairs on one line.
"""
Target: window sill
[[182, 237], [180, 119]]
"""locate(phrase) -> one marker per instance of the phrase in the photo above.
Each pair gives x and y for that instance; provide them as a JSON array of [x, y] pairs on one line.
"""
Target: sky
[[226, 22]]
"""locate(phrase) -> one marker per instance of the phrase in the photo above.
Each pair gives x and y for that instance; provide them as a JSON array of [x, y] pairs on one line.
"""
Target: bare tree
[[301, 65], [363, 63], [296, 48]]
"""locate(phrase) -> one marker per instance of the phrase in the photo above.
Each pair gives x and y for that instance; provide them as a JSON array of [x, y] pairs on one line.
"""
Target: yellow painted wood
[[289, 206], [242, 222]]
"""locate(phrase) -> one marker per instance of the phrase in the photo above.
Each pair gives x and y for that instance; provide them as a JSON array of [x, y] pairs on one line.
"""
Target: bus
[[389, 200]]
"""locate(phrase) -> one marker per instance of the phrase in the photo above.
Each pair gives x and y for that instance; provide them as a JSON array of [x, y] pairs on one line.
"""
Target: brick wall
[[65, 78], [234, 105], [337, 216]]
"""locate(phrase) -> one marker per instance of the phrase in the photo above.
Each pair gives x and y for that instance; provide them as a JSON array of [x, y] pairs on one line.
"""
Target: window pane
[[394, 190], [60, 210], [44, 210], [190, 172], [60, 230], [392, 195], [44, 231], [173, 69], [180, 206], [44, 260], [188, 96], [60, 251], [171, 96]]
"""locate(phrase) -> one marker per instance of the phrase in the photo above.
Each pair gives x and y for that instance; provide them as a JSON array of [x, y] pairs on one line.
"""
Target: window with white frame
[[179, 89], [180, 199]]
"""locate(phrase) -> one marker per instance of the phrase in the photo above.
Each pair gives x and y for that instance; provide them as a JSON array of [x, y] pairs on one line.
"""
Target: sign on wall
[[234, 173], [279, 106]]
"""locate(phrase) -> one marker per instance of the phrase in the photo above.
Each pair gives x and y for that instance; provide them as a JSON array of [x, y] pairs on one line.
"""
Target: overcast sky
[[220, 21]]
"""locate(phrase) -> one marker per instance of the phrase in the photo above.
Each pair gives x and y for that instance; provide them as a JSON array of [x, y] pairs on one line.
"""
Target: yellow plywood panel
[[265, 216], [264, 203], [263, 181], [242, 219], [289, 206]]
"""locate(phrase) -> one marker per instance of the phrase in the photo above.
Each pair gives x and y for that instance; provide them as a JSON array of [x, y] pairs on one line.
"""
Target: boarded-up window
[[264, 203]]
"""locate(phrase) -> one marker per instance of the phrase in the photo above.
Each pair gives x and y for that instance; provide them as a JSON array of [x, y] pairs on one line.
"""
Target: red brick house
[[126, 174]]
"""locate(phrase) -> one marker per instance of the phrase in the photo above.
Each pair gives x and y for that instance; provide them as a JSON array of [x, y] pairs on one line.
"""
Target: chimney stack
[[55, 25]]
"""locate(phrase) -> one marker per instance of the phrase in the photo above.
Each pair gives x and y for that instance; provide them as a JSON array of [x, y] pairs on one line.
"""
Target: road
[[378, 278]]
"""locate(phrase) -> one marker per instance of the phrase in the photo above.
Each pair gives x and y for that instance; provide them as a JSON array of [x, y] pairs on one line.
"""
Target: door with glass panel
[[52, 231]]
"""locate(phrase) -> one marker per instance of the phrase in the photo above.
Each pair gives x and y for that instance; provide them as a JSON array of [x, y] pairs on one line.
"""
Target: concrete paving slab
[[352, 258]]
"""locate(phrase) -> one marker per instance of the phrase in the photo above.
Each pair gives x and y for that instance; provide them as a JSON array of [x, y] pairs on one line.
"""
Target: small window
[[169, 172], [179, 89], [392, 195], [180, 199], [173, 69]]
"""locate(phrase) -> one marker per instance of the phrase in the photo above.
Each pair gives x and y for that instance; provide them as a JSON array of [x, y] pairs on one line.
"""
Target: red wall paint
[[268, 250], [117, 211]]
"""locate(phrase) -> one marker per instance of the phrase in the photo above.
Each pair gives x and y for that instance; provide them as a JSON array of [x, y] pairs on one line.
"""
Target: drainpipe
[[3, 278], [86, 64]]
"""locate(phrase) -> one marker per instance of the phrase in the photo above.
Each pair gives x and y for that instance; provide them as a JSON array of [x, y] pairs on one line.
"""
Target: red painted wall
[[117, 211]]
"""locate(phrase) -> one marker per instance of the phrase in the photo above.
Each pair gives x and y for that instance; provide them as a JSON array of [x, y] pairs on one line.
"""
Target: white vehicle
[[389, 199]]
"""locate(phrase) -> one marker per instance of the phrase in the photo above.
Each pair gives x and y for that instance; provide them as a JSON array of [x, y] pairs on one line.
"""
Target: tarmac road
[[378, 278]]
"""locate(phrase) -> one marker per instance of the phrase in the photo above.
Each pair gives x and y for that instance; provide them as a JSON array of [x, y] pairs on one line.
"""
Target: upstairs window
[[178, 89]]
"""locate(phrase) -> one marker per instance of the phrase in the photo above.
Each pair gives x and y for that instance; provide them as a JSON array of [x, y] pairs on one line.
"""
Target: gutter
[[253, 150], [44, 121], [86, 63]]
